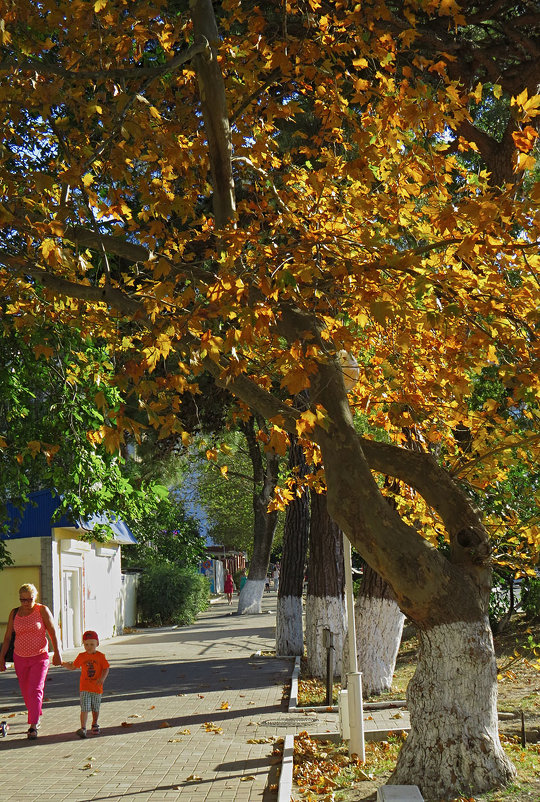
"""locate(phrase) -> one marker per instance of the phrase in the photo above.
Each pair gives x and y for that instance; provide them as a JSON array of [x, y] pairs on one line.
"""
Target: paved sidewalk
[[179, 710], [173, 688]]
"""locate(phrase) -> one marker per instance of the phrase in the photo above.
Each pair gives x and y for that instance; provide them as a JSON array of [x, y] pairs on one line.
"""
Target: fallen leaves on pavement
[[209, 726]]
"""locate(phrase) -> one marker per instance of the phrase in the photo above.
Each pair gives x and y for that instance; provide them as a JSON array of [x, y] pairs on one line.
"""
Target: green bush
[[169, 594], [530, 597]]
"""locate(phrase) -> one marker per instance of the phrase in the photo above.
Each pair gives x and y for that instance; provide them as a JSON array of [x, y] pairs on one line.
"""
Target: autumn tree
[[146, 191]]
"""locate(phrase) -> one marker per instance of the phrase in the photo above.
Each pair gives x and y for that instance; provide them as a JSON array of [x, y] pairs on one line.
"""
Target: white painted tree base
[[321, 612], [379, 625], [250, 597], [289, 629], [453, 747]]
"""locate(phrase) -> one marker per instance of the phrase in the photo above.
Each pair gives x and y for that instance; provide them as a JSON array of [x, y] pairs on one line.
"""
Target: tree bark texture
[[215, 111], [452, 700], [325, 603], [265, 476], [289, 624], [379, 625]]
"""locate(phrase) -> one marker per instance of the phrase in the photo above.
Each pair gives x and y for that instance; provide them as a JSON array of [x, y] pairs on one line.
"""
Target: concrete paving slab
[[188, 713]]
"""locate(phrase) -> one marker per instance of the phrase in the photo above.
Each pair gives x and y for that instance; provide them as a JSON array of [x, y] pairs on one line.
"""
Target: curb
[[293, 698], [286, 775]]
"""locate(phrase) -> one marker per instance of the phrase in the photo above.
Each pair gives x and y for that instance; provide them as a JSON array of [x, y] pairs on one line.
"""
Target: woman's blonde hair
[[29, 588]]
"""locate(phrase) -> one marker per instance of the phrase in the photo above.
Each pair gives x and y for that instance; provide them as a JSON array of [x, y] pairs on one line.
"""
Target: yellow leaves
[[491, 405], [449, 8], [43, 350], [308, 420], [99, 5], [154, 353], [278, 441], [296, 379], [112, 438], [5, 36], [224, 706], [211, 346], [209, 726], [477, 94], [34, 447], [269, 740], [524, 140], [530, 106], [50, 251]]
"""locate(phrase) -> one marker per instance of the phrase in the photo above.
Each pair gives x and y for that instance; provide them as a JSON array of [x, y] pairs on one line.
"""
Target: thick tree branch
[[41, 67], [215, 112]]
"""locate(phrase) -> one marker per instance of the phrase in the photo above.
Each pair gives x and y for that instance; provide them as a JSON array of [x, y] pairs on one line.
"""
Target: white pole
[[354, 677]]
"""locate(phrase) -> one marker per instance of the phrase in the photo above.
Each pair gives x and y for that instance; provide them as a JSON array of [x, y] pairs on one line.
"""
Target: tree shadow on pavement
[[198, 720]]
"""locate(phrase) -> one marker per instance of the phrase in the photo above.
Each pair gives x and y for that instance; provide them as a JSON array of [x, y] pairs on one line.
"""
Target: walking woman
[[32, 622]]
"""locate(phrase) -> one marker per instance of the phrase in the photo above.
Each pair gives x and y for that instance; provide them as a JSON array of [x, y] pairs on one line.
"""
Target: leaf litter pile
[[323, 767]]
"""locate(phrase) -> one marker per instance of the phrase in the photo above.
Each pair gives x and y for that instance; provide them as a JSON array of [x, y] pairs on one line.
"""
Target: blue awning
[[35, 520]]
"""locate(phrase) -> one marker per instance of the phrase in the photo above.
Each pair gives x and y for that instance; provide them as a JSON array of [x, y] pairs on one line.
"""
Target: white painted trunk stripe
[[251, 596], [289, 629], [453, 748], [324, 612]]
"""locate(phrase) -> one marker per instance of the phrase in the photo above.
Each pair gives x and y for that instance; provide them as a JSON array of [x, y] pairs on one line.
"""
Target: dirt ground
[[519, 693]]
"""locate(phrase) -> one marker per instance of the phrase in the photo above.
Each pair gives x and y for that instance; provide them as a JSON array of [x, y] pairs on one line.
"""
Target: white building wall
[[87, 587], [103, 590], [129, 599]]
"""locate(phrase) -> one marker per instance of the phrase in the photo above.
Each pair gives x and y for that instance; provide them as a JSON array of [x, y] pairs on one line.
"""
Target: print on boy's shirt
[[92, 667]]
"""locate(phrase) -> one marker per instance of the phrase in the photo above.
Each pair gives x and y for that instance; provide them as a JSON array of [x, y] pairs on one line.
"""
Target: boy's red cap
[[90, 635]]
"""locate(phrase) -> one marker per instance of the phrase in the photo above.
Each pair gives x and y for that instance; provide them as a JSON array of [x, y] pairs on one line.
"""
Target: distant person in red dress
[[229, 588]]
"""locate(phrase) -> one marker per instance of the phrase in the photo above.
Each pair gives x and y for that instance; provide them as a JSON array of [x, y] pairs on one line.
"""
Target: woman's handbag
[[9, 654], [10, 651]]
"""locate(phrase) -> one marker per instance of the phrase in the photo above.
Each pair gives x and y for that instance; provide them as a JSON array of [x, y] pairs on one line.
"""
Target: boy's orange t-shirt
[[92, 667]]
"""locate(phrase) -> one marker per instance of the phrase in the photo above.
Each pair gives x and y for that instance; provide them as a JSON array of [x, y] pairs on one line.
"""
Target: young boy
[[94, 669]]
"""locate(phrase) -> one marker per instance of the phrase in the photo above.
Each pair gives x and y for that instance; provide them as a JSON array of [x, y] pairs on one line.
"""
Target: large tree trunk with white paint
[[289, 624], [265, 476], [379, 625], [325, 603], [452, 699]]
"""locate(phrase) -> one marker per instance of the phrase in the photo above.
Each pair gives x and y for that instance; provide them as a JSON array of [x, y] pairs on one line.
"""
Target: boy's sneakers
[[81, 733], [95, 729]]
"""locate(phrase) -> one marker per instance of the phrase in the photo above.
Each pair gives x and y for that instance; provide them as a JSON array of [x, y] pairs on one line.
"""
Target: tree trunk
[[265, 476], [289, 625], [452, 699], [379, 624], [325, 603]]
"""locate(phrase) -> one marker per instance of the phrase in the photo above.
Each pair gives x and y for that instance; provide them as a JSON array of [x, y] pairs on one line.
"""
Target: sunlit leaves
[[355, 209]]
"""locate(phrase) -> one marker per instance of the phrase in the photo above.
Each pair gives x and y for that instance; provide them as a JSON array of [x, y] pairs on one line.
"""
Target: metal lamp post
[[354, 677], [351, 372]]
